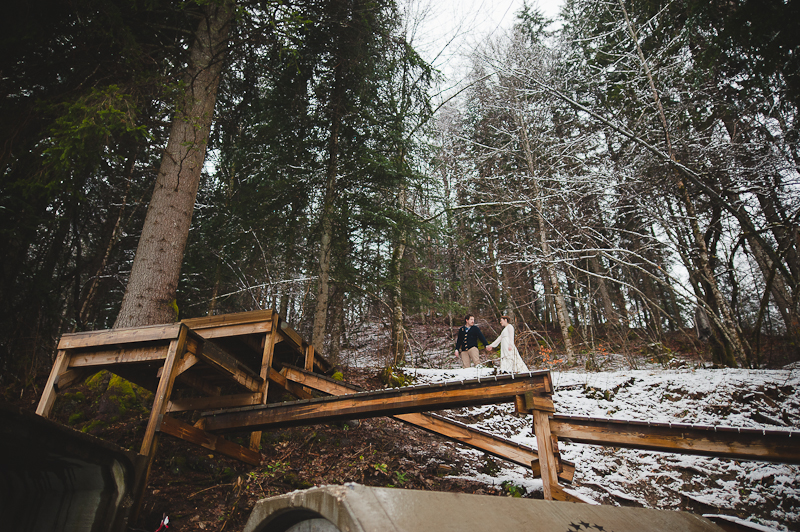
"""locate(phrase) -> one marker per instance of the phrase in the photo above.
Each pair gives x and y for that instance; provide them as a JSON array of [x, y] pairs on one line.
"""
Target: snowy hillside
[[758, 492]]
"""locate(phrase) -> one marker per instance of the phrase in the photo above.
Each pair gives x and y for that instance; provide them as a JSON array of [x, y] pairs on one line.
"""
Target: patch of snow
[[767, 494]]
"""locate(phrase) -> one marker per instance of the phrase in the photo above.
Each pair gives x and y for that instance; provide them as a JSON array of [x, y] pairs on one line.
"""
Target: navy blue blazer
[[469, 338]]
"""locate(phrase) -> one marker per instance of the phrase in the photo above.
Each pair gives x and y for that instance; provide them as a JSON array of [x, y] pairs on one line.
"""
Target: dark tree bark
[[150, 294]]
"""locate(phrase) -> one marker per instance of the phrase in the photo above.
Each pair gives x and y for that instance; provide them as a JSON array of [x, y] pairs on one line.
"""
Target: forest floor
[[199, 490]]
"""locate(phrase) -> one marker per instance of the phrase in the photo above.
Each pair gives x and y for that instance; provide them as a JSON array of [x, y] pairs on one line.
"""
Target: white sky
[[450, 29]]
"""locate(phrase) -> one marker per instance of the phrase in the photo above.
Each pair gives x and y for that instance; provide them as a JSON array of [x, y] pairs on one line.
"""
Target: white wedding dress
[[510, 361]]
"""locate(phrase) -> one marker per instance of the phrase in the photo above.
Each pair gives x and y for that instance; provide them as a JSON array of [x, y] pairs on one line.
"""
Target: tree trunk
[[398, 331], [150, 294], [549, 264], [326, 221], [730, 329], [611, 316], [337, 325]]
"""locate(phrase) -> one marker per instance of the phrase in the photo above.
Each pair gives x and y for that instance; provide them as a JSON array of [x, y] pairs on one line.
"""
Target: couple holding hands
[[467, 345]]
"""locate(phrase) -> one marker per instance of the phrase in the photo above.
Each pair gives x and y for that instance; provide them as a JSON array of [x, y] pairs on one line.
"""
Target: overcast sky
[[450, 29]]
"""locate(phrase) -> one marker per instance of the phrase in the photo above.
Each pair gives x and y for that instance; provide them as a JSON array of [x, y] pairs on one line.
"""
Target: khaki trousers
[[471, 354]]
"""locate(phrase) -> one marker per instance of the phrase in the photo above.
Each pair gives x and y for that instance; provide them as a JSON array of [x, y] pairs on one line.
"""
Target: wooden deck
[[222, 366]]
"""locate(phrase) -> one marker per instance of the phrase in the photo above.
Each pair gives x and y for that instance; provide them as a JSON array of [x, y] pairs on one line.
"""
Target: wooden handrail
[[725, 442]]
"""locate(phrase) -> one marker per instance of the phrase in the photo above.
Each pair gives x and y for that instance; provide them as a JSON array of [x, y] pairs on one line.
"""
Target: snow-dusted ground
[[759, 492], [765, 495]]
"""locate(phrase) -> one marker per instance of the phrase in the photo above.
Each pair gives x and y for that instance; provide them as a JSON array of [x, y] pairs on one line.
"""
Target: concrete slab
[[357, 508]]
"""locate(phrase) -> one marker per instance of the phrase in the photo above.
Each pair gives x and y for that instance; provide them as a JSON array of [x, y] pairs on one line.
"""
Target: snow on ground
[[761, 493]]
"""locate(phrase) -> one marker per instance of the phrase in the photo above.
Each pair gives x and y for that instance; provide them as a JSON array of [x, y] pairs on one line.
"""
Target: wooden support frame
[[547, 460], [266, 367], [476, 439], [60, 367], [174, 353], [160, 356], [549, 466], [376, 403]]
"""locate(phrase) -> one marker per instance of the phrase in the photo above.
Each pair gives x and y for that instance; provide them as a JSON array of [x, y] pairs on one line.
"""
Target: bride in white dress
[[510, 361]]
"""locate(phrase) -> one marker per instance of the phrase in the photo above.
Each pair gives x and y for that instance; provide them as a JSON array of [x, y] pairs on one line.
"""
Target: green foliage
[[394, 377], [513, 490], [87, 124]]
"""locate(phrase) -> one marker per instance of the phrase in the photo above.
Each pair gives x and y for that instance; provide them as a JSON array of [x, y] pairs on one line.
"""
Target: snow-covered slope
[[759, 492]]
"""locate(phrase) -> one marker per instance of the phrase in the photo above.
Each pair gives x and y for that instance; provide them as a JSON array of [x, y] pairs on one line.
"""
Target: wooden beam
[[187, 362], [266, 366], [292, 337], [483, 441], [725, 442], [293, 388], [377, 403], [119, 336], [566, 469], [186, 432], [236, 324], [49, 392], [208, 403], [163, 392], [70, 377], [123, 355], [309, 358], [223, 320], [547, 462], [227, 365], [177, 348], [526, 404], [476, 439]]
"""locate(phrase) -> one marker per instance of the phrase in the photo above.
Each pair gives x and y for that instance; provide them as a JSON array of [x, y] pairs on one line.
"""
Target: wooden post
[[60, 366], [309, 358], [177, 348], [266, 364], [547, 460], [541, 406]]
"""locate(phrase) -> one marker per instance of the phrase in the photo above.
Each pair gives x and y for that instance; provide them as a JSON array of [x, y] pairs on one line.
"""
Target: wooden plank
[[49, 392], [163, 392], [547, 462], [441, 426], [527, 403], [380, 403], [127, 355], [226, 364], [726, 442], [70, 377], [266, 366], [293, 388], [208, 403], [309, 358], [224, 320], [179, 429], [119, 336], [559, 494], [199, 384], [227, 331]]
